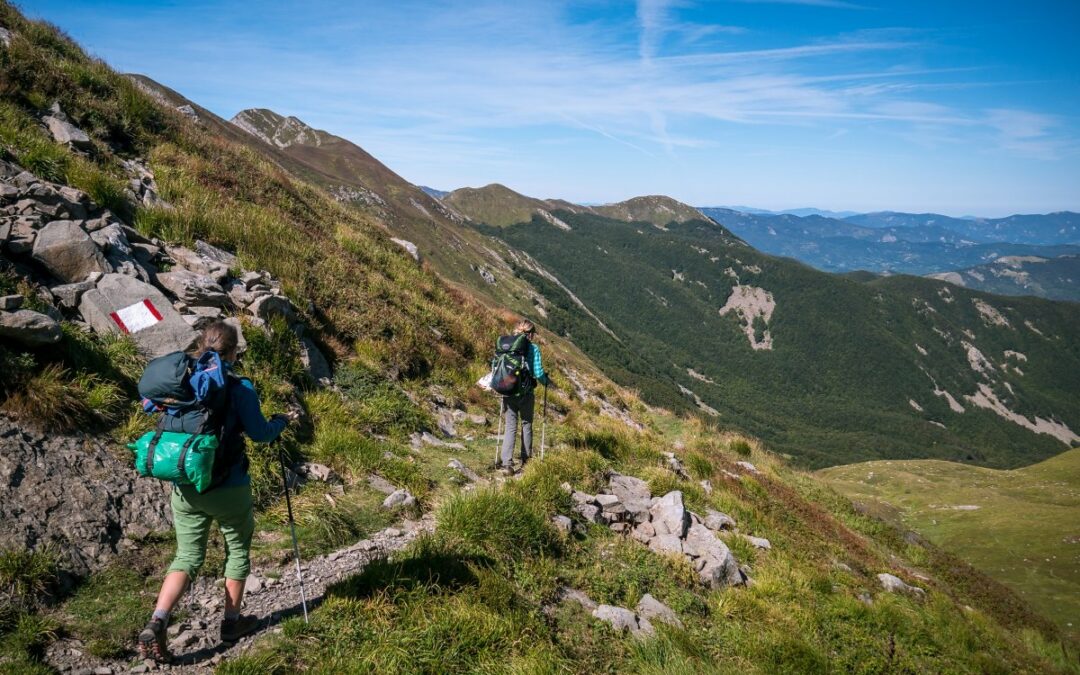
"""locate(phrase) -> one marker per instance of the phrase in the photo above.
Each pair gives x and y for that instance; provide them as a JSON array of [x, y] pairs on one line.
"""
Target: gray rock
[[652, 609], [29, 328], [69, 493], [199, 264], [268, 306], [241, 345], [399, 498], [315, 363], [114, 293], [251, 279], [747, 466], [632, 492], [619, 528], [714, 520], [894, 584], [69, 294], [193, 289], [562, 522], [589, 512], [68, 252], [444, 420], [64, 131], [381, 484], [567, 594], [643, 532], [111, 238], [254, 584], [582, 498], [672, 462], [666, 543], [22, 233], [669, 516], [471, 475], [215, 254], [720, 567], [620, 618], [758, 542], [604, 501], [201, 317], [5, 37], [706, 485], [10, 303], [319, 472]]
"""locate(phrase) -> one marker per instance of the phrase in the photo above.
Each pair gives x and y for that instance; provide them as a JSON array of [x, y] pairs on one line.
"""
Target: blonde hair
[[218, 337], [524, 327]]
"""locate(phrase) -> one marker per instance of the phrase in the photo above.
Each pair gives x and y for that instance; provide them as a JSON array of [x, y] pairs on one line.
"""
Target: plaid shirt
[[537, 365]]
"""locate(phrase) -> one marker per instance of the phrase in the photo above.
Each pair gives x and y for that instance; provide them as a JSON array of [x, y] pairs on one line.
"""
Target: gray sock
[[162, 616]]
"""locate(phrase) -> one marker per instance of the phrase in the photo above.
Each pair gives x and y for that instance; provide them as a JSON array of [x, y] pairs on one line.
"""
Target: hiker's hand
[[289, 417]]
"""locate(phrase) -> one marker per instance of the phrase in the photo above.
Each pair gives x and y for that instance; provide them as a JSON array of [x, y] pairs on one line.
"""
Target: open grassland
[[1021, 527]]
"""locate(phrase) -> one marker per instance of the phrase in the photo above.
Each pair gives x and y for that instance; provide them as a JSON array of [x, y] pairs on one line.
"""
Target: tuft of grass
[[52, 401], [699, 465], [498, 524], [26, 577]]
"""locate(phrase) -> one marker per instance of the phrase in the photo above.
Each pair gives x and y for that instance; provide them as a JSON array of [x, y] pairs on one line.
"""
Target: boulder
[[719, 567], [379, 483], [589, 512], [469, 474], [23, 231], [567, 594], [675, 464], [894, 584], [632, 492], [68, 252], [714, 520], [193, 289], [319, 472], [582, 498], [669, 516], [605, 501], [758, 542], [29, 328], [123, 304], [747, 466], [653, 610], [706, 485]]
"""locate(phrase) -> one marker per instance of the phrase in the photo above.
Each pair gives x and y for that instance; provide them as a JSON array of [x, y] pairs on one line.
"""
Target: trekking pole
[[499, 432], [292, 527], [543, 426]]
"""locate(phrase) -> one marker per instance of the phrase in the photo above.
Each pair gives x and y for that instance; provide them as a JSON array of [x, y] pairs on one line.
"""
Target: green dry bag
[[184, 459]]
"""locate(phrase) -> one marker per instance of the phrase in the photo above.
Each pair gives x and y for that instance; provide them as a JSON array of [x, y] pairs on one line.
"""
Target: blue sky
[[950, 106]]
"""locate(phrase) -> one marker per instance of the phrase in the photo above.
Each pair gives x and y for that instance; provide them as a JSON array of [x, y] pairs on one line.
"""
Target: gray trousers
[[518, 408]]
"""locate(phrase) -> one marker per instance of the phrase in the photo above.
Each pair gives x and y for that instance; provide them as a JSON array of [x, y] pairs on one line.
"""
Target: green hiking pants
[[193, 513]]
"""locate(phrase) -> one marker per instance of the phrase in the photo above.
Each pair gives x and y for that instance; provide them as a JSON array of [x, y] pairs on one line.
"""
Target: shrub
[[26, 576], [740, 447]]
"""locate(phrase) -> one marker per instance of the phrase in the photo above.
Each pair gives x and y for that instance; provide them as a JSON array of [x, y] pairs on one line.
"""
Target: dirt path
[[272, 594]]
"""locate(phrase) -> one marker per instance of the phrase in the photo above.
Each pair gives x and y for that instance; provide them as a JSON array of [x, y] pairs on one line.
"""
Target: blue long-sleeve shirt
[[245, 408], [537, 365]]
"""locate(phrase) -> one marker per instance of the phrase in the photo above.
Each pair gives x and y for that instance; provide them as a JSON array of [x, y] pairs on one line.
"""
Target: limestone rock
[[632, 492], [666, 543], [268, 306], [68, 252], [471, 475], [215, 254], [720, 567], [567, 594], [319, 472], [201, 317], [643, 532], [562, 523], [714, 520], [399, 498], [669, 516], [9, 303], [111, 238], [379, 483], [758, 542], [747, 466], [199, 264], [74, 495], [315, 363], [117, 293], [590, 512], [894, 584], [64, 131], [620, 618], [193, 289], [69, 294], [29, 328], [652, 609]]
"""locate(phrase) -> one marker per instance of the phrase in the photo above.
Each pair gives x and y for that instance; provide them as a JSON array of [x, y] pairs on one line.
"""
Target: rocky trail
[[272, 594]]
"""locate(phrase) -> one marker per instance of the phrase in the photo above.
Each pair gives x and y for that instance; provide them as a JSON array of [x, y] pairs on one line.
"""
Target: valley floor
[[1020, 526]]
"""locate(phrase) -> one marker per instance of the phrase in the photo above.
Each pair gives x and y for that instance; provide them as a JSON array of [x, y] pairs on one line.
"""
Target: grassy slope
[[497, 560], [1026, 531], [836, 386]]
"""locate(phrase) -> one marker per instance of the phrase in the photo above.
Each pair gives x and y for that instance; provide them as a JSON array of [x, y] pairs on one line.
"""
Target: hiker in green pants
[[519, 407], [229, 503]]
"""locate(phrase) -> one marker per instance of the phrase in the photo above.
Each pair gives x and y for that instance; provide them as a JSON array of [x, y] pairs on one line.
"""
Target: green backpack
[[191, 396]]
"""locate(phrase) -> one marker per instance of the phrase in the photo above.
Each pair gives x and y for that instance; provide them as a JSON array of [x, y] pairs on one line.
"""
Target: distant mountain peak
[[278, 130], [656, 209]]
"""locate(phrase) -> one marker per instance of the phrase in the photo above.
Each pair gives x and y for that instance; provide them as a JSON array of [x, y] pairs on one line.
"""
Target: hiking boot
[[234, 629], [153, 642]]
